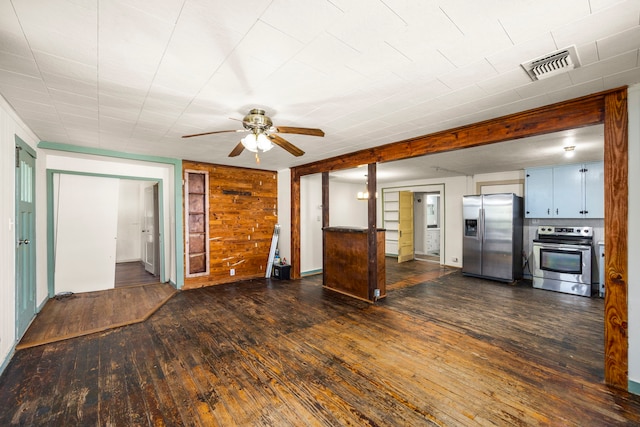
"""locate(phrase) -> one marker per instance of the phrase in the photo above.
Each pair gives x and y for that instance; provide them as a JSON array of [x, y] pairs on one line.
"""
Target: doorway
[[426, 206], [96, 223]]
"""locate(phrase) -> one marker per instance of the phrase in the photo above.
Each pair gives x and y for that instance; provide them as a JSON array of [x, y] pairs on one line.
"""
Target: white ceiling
[[135, 75]]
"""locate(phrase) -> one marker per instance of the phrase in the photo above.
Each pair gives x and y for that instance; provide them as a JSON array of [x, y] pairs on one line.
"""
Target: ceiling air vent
[[552, 64]]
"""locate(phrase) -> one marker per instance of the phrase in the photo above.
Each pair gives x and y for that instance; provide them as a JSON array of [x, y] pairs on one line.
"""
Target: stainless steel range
[[562, 259]]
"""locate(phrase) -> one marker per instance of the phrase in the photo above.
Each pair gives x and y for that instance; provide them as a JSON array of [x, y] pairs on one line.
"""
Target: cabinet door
[[405, 227], [567, 191], [594, 190], [539, 193]]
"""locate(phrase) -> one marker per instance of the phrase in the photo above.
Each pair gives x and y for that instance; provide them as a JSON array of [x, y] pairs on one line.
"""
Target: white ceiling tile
[[51, 64], [362, 27], [570, 92], [326, 53], [74, 99], [616, 19], [89, 111], [469, 75], [63, 28], [378, 61], [541, 17], [131, 43], [505, 81], [499, 98], [279, 47], [79, 122], [550, 84], [619, 43], [511, 57], [592, 71], [311, 18], [86, 87], [622, 79], [165, 10], [19, 64], [8, 78], [12, 40], [587, 53]]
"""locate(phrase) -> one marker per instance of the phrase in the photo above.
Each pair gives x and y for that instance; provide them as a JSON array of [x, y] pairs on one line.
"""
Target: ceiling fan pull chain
[[257, 158]]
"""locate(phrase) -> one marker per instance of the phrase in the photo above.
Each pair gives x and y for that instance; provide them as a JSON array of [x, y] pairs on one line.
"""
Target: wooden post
[[372, 227], [616, 178], [325, 220]]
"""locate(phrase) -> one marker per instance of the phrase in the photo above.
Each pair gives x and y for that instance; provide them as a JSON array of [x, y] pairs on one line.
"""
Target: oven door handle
[[563, 246]]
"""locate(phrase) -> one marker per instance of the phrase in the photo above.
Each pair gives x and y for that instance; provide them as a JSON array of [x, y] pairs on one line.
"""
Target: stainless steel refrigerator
[[492, 238]]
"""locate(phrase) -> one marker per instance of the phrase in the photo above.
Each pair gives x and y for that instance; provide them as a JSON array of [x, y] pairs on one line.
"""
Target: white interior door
[[150, 238], [85, 230]]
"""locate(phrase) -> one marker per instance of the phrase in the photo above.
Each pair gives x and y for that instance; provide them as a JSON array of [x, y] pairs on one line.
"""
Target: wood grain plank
[[616, 175]]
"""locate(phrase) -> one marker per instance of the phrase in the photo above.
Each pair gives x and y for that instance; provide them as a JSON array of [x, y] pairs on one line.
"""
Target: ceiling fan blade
[[283, 143], [211, 133], [300, 131], [237, 150]]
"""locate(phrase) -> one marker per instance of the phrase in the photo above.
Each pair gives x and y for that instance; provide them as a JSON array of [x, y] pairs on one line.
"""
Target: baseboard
[[311, 272], [633, 387], [6, 361]]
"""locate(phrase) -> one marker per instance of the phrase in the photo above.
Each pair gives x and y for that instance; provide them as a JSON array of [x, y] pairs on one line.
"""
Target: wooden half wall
[[241, 217], [608, 108]]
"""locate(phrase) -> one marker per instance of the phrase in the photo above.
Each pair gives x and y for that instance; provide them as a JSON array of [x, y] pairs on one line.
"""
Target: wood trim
[[616, 177], [372, 231], [295, 226], [325, 219], [580, 112]]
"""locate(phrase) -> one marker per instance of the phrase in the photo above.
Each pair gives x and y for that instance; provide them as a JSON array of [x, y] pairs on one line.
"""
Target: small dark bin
[[281, 271]]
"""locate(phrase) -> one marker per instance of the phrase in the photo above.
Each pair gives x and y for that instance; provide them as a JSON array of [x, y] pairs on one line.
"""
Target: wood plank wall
[[608, 107], [242, 215]]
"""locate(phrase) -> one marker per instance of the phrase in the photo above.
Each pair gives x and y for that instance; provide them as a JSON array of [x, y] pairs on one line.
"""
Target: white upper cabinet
[[569, 191], [538, 193], [594, 190]]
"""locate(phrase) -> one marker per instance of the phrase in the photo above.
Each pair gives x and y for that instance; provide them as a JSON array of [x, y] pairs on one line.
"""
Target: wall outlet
[[454, 259], [232, 272], [376, 293]]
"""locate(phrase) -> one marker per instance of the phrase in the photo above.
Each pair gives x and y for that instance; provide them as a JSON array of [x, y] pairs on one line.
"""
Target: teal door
[[25, 238]]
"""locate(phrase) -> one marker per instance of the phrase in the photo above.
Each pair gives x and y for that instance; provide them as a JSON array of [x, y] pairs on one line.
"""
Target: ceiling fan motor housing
[[257, 120]]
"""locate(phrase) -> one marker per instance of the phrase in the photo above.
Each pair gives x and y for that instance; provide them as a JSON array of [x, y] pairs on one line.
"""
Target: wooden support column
[[616, 178], [372, 228], [295, 224], [325, 220]]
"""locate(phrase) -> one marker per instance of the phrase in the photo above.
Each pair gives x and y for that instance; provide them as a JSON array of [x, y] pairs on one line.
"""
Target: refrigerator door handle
[[481, 225]]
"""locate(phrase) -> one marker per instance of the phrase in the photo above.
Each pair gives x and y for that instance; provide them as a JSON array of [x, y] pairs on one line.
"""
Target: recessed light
[[569, 151]]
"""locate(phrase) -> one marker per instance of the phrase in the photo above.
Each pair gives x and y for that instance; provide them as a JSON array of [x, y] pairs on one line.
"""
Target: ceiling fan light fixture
[[257, 142]]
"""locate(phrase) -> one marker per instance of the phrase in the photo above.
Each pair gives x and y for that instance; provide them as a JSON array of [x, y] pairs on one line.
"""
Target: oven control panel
[[551, 230]]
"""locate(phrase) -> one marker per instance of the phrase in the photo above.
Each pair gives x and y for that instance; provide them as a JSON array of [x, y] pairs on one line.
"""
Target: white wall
[[85, 231], [11, 125], [344, 207], [633, 243]]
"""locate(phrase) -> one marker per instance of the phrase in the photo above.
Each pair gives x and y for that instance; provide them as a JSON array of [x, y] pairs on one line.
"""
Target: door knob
[[25, 241]]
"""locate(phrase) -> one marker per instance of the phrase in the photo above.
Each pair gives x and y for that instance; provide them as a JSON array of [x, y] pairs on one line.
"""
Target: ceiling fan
[[262, 135]]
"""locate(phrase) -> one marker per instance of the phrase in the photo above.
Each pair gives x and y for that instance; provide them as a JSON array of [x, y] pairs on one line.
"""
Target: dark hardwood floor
[[445, 351], [133, 273]]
